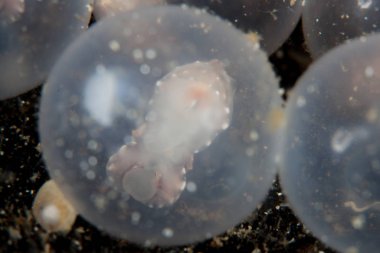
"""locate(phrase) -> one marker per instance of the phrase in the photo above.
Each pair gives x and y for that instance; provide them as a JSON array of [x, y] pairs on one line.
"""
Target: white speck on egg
[[301, 101], [51, 209], [369, 71], [191, 187], [168, 232], [50, 215], [114, 45], [150, 54], [135, 218]]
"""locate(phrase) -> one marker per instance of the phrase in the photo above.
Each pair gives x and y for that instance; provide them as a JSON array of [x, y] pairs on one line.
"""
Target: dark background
[[271, 228]]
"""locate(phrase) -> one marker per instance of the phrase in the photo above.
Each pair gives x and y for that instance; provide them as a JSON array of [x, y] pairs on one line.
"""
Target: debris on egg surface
[[52, 210]]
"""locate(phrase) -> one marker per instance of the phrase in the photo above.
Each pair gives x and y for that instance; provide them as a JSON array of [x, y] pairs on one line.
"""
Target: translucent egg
[[331, 148], [32, 35], [157, 125], [329, 23]]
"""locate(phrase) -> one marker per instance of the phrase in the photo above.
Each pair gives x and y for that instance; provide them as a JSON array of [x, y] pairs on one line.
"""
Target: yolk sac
[[158, 123], [329, 23], [190, 106], [33, 34], [331, 148]]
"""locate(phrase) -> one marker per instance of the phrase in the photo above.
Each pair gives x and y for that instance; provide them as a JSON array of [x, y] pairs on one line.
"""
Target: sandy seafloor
[[271, 228]]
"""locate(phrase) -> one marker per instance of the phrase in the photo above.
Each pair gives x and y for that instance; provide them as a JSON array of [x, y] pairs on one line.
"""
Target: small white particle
[[150, 54], [225, 126], [250, 152], [50, 214], [253, 135], [114, 45], [69, 154], [138, 54], [90, 175], [144, 69], [92, 145], [92, 160], [301, 101], [168, 232], [191, 187], [369, 72], [358, 222], [372, 115], [135, 218]]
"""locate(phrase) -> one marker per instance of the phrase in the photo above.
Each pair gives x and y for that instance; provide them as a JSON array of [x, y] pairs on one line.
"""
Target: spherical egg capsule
[[149, 100], [33, 34], [52, 210], [331, 149]]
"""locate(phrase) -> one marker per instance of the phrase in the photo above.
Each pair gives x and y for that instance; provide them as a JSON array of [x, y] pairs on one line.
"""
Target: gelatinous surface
[[331, 147], [131, 91], [32, 35], [329, 23], [103, 8], [269, 21]]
